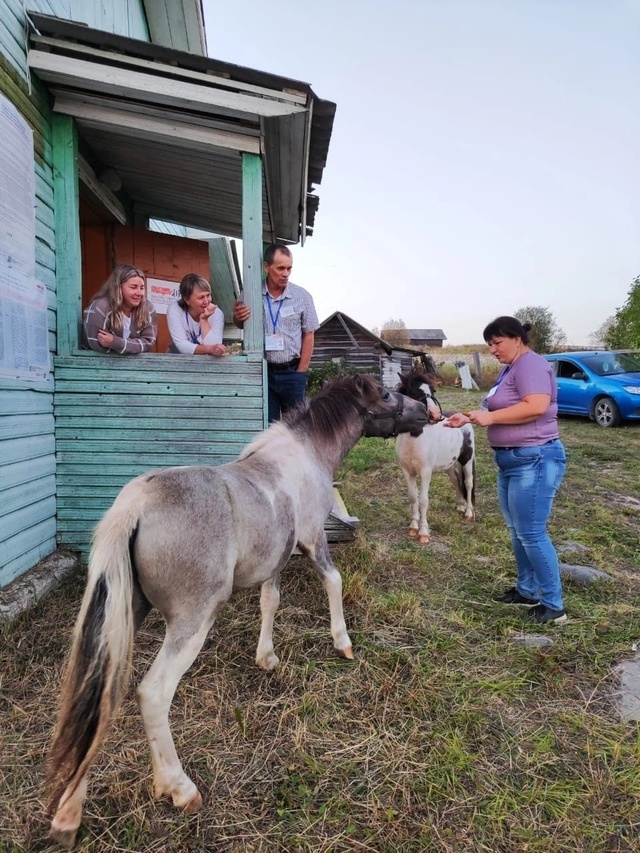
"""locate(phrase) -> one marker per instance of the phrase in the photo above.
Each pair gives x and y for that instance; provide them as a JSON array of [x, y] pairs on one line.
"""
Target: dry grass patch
[[442, 735]]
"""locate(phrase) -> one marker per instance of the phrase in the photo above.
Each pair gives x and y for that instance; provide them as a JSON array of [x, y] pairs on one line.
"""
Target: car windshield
[[610, 363]]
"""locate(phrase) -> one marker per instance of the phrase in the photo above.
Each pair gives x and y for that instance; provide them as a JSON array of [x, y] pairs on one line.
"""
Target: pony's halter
[[369, 416], [437, 402], [424, 399]]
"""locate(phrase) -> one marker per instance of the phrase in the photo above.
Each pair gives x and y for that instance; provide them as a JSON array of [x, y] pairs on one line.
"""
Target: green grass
[[442, 735]]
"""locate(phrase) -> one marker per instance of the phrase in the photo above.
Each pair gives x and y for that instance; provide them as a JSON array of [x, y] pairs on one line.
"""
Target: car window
[[610, 363], [567, 369]]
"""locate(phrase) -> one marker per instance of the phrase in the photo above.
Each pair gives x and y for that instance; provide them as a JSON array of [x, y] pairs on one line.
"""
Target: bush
[[317, 376]]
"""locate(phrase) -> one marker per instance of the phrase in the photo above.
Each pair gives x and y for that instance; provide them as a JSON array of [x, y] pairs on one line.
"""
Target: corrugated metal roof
[[171, 124]]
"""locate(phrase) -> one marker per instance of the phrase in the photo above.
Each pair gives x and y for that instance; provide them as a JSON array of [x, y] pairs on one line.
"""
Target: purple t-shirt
[[529, 374]]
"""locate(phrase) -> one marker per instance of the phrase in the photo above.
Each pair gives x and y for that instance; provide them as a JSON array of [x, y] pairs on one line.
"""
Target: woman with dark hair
[[521, 415], [120, 318], [195, 324]]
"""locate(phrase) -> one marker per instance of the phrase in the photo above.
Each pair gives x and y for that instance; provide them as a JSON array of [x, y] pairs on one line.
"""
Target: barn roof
[[346, 321], [427, 334]]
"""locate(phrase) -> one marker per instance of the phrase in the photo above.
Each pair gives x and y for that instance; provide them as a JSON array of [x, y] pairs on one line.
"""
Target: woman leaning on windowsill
[[196, 325]]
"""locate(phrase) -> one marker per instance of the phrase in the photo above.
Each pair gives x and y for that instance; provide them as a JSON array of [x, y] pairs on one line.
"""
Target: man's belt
[[281, 367]]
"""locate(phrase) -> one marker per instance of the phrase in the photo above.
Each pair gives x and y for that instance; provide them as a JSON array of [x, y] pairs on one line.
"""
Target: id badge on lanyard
[[494, 388], [274, 342]]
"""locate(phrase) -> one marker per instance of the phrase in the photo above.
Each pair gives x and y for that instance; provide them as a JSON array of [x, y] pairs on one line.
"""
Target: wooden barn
[[119, 134], [426, 337], [340, 338]]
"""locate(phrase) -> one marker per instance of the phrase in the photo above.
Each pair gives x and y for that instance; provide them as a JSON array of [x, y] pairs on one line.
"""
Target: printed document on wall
[[24, 343]]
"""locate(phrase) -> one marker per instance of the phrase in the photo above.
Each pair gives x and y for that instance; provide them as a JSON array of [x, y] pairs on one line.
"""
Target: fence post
[[478, 366]]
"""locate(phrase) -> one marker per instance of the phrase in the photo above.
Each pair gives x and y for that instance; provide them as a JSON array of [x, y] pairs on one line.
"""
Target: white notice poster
[[24, 342], [162, 293]]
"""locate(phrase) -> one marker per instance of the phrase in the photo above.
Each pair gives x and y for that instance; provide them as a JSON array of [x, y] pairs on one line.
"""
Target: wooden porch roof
[[170, 127]]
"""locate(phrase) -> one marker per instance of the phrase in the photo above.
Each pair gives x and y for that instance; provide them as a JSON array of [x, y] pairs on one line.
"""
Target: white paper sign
[[162, 293]]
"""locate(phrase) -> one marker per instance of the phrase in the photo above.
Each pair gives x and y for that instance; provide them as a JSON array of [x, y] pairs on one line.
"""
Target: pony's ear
[[358, 384]]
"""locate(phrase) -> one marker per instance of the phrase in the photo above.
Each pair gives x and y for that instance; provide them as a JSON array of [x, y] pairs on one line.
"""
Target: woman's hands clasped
[[105, 339]]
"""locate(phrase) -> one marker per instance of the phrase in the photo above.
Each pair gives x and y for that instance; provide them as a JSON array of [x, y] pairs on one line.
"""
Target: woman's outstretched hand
[[457, 420], [479, 417]]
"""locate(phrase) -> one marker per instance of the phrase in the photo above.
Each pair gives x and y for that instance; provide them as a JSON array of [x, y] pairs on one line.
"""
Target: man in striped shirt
[[290, 322]]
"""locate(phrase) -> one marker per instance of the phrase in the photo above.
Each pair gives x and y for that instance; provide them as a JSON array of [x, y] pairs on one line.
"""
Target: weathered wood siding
[[27, 444], [357, 349], [124, 17], [27, 480], [27, 447], [392, 365], [118, 417]]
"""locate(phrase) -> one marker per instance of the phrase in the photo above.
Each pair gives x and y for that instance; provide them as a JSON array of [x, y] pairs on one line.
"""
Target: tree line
[[620, 331]]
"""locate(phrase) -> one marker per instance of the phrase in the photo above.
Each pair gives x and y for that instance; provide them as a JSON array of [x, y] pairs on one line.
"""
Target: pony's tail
[[99, 665], [473, 471], [459, 475], [462, 484]]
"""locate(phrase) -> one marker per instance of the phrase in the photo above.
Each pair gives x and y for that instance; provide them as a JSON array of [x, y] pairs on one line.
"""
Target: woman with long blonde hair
[[120, 318]]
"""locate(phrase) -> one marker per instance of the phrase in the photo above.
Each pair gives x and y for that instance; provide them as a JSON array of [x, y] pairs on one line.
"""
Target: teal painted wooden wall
[[118, 417], [27, 444], [124, 17]]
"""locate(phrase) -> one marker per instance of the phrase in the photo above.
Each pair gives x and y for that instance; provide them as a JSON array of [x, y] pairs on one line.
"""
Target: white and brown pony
[[436, 449], [182, 540]]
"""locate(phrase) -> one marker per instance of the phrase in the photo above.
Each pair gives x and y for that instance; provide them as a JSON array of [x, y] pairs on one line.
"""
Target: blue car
[[603, 385]]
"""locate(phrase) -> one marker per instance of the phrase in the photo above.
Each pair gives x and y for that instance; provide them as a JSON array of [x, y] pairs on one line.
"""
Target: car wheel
[[606, 412]]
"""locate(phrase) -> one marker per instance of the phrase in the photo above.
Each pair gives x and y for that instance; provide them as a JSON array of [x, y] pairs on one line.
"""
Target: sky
[[485, 154]]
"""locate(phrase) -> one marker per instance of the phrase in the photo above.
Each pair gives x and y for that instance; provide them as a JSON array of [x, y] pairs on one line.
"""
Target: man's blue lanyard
[[274, 320]]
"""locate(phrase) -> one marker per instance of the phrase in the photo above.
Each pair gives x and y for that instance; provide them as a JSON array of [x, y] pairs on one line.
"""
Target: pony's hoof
[[269, 662], [469, 518], [194, 804], [346, 653], [63, 837], [412, 531], [423, 540]]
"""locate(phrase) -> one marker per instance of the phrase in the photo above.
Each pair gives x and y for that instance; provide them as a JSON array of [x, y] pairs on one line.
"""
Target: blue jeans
[[528, 479], [287, 388]]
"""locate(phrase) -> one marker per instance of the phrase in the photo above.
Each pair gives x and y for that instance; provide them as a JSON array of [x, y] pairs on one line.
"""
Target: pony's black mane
[[325, 413], [410, 384]]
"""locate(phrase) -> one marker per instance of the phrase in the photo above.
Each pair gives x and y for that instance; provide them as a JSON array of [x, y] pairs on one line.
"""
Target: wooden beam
[[178, 134], [67, 225], [348, 331], [252, 251], [126, 83], [252, 266], [102, 194], [305, 175], [288, 96]]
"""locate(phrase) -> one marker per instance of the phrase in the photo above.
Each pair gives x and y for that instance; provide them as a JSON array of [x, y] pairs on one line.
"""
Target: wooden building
[[340, 338], [129, 123], [426, 337]]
